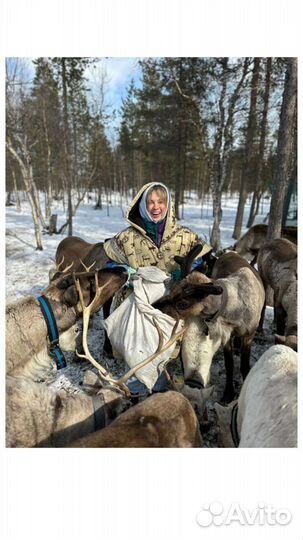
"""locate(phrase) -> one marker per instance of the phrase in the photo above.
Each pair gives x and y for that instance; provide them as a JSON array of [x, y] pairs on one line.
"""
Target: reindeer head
[[186, 299], [65, 288]]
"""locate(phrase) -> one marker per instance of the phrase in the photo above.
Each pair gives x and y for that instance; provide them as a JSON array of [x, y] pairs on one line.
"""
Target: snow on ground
[[27, 274]]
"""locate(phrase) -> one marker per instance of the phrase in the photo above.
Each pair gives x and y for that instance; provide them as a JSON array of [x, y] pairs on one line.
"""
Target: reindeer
[[26, 329], [277, 264], [249, 244], [215, 311], [74, 253], [265, 415], [37, 415], [40, 416], [164, 420]]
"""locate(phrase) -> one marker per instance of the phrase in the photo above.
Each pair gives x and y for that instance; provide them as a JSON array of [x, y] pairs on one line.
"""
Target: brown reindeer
[[277, 264], [249, 244], [37, 415], [74, 253], [164, 420]]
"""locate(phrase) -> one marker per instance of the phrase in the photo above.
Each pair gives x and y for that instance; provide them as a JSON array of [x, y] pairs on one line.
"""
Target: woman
[[154, 237]]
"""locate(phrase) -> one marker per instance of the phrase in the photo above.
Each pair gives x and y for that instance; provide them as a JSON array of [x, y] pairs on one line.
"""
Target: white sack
[[131, 330]]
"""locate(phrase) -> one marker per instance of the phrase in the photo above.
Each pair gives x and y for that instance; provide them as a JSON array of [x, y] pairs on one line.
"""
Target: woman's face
[[156, 206]]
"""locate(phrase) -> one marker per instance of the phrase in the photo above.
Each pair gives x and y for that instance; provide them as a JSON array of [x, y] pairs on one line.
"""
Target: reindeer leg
[[280, 317], [261, 322], [107, 346], [245, 355], [229, 391]]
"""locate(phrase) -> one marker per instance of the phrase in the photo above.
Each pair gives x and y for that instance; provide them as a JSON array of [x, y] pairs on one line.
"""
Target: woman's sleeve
[[114, 250]]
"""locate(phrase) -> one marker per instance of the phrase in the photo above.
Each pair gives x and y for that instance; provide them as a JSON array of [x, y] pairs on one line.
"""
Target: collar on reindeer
[[233, 425], [53, 334]]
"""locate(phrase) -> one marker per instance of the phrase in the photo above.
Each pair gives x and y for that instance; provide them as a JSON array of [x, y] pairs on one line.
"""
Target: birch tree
[[223, 142], [17, 143], [249, 148]]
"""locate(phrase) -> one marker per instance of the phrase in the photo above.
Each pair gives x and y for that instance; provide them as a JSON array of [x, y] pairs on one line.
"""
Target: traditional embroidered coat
[[134, 247]]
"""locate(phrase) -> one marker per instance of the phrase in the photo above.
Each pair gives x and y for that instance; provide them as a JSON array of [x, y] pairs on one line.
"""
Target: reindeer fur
[[267, 405], [162, 420]]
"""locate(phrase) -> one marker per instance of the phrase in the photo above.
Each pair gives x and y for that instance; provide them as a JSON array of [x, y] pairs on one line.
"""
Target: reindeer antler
[[68, 267], [87, 268], [105, 376]]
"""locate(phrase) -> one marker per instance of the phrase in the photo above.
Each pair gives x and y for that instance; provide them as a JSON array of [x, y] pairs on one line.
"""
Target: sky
[[118, 73]]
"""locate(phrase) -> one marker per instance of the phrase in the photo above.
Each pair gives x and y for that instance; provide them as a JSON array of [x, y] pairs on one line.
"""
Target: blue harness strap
[[53, 334]]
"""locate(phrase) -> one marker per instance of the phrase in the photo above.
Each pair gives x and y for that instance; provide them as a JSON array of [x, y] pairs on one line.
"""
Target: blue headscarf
[[142, 206]]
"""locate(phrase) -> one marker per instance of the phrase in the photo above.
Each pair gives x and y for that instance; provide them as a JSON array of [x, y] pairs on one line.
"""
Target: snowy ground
[[27, 274]]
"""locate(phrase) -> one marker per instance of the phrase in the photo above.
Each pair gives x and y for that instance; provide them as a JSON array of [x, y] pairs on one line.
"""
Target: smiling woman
[[157, 203], [154, 237]]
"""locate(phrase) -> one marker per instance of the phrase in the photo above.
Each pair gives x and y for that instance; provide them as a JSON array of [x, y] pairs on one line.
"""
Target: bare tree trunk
[[8, 199], [178, 179], [257, 195], [223, 146], [98, 204], [290, 189], [48, 205], [285, 140], [27, 175], [18, 203], [67, 150], [251, 130]]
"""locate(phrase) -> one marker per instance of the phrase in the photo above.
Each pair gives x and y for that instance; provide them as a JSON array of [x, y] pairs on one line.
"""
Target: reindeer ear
[[186, 262], [204, 290], [178, 259], [215, 289], [70, 296]]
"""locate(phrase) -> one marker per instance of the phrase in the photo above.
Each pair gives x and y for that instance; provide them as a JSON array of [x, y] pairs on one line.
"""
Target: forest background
[[211, 126]]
